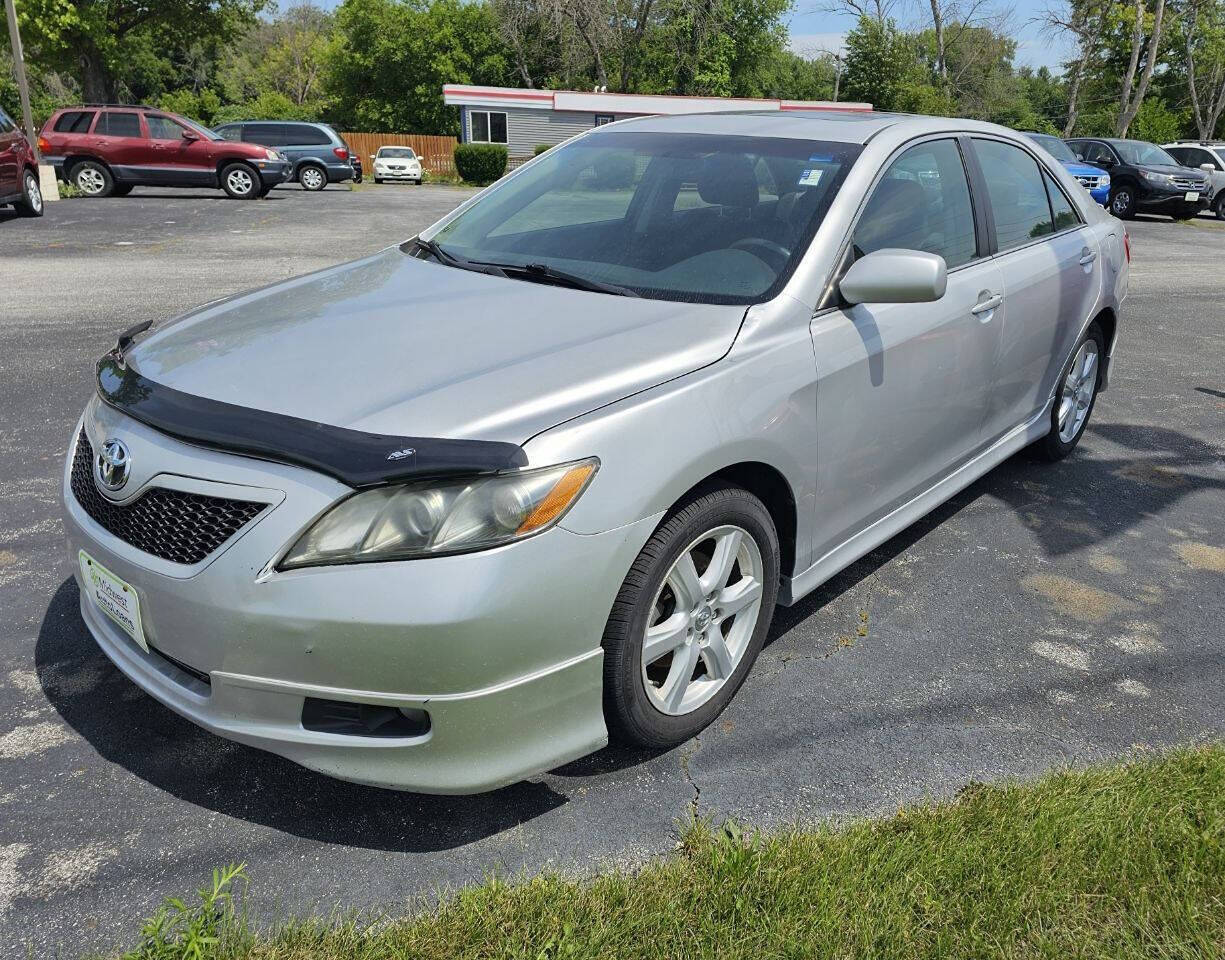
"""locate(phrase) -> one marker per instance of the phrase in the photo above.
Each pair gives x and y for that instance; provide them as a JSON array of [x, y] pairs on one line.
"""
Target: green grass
[[1112, 862]]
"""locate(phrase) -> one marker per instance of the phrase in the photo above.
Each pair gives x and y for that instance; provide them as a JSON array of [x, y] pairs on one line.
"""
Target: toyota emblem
[[113, 464]]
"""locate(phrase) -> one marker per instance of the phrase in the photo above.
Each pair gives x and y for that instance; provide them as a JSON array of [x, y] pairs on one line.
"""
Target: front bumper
[[405, 174], [500, 647], [1101, 194], [274, 172], [1162, 198]]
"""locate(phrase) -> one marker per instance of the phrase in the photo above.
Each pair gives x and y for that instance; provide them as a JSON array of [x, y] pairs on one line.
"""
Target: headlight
[[272, 155], [1156, 177], [436, 518]]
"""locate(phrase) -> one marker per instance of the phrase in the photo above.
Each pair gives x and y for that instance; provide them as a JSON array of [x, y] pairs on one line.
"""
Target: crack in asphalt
[[686, 756]]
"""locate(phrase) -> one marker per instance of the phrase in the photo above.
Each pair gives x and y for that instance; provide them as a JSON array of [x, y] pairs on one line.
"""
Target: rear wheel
[[690, 618], [240, 181], [1123, 201], [92, 179], [31, 202], [1076, 396], [312, 178]]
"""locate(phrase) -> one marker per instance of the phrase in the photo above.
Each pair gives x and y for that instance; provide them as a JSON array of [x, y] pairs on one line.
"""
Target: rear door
[[916, 374], [184, 162], [10, 149], [119, 139], [1051, 271]]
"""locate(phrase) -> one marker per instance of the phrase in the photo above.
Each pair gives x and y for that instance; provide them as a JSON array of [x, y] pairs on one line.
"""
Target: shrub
[[480, 163], [540, 148]]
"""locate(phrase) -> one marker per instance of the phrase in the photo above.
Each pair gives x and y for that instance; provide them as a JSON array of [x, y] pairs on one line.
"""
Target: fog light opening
[[363, 719]]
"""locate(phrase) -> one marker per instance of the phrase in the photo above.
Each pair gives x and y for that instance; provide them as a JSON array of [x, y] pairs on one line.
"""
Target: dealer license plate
[[113, 597], [1191, 197]]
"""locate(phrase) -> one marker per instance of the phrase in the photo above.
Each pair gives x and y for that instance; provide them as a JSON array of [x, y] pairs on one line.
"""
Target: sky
[[813, 30]]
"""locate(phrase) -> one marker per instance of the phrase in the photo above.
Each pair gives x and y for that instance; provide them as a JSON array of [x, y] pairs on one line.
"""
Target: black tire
[[1123, 201], [1218, 208], [265, 190], [240, 181], [121, 189], [1053, 447], [92, 178], [378, 179], [31, 202], [629, 711], [312, 177]]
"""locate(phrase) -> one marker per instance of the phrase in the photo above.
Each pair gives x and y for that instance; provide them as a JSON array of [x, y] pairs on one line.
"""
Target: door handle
[[1087, 256], [986, 306]]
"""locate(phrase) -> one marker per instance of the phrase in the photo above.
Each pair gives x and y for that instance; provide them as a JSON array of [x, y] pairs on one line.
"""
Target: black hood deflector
[[351, 456]]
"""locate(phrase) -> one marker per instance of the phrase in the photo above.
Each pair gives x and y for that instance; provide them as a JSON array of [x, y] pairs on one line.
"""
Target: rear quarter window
[[116, 123], [307, 135], [74, 121]]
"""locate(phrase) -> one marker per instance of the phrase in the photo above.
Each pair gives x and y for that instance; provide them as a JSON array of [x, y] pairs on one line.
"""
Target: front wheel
[[1123, 202], [31, 202], [1076, 397], [240, 181], [1218, 208], [690, 618]]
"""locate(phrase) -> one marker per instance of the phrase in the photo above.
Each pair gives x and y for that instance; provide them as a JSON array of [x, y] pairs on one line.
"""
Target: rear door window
[[119, 123], [1064, 213], [305, 134], [267, 134], [922, 203], [74, 121], [1019, 204]]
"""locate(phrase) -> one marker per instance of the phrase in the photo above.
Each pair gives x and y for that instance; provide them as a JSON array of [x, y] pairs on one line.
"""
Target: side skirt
[[842, 556]]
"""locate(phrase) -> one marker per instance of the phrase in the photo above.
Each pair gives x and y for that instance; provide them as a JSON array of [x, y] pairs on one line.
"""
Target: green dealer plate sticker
[[114, 597]]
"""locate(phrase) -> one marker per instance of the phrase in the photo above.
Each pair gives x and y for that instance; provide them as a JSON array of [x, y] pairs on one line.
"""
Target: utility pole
[[837, 71], [19, 68]]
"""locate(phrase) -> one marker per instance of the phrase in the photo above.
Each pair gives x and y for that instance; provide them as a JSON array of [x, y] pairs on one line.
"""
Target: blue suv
[[1094, 179], [317, 154]]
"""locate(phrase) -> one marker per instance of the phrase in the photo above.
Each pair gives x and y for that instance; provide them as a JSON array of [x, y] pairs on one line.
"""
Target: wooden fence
[[436, 153]]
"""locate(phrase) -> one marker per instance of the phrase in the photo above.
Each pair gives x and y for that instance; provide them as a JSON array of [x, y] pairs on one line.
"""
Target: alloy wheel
[[239, 181], [702, 620], [1120, 203], [91, 180], [34, 196], [1077, 394]]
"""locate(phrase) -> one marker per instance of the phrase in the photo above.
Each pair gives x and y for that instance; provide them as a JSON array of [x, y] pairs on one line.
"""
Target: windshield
[[1054, 146], [1139, 153], [696, 217], [396, 153]]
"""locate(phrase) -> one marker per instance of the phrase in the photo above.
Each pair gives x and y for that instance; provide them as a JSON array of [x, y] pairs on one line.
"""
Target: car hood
[[1078, 169], [1174, 170], [396, 345]]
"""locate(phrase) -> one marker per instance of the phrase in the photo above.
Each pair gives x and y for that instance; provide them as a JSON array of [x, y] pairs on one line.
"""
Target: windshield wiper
[[446, 258], [543, 272]]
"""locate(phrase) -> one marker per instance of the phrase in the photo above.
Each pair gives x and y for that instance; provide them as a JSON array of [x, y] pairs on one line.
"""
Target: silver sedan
[[461, 511]]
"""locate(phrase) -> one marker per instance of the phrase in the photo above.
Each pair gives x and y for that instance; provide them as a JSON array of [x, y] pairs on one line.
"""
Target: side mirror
[[1207, 166], [895, 276], [189, 135], [373, 157]]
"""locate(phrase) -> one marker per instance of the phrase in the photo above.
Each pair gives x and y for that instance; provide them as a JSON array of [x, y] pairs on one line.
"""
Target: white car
[[396, 163]]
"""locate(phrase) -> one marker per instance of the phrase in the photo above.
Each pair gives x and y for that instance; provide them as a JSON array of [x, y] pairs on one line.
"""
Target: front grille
[[176, 526], [1089, 182], [1186, 183]]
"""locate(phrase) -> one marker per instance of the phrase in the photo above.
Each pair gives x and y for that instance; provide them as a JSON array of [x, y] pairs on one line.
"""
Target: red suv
[[18, 170], [106, 150]]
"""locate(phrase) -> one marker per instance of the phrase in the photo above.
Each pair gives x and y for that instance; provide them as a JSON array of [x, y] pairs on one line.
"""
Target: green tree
[[112, 44], [881, 64]]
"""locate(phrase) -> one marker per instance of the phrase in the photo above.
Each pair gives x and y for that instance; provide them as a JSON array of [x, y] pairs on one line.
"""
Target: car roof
[[839, 126]]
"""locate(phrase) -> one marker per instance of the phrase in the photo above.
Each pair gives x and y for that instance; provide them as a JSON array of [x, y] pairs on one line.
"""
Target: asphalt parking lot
[[1047, 615]]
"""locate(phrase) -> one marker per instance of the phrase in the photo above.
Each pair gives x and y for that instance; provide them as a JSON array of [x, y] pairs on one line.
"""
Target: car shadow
[[131, 729]]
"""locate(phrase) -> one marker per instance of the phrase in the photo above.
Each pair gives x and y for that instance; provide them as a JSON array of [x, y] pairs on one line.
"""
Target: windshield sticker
[[810, 178], [820, 158]]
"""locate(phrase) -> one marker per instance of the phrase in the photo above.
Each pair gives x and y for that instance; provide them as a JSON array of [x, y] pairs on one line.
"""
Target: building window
[[488, 126], [603, 118]]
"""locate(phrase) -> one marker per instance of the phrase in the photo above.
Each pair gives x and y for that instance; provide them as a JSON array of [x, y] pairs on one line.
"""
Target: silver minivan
[[461, 511]]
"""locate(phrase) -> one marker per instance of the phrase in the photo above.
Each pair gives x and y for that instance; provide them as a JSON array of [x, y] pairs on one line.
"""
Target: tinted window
[[921, 203], [1097, 153], [605, 208], [163, 128], [268, 134], [232, 132], [6, 123], [1141, 154], [1018, 196], [74, 121], [1061, 207], [304, 134], [114, 123]]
